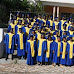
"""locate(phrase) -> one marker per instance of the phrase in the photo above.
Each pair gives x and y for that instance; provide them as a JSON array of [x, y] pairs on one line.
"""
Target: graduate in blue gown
[[56, 51], [19, 25], [63, 52], [20, 42], [70, 50], [9, 41], [42, 47], [30, 50], [48, 55], [11, 25]]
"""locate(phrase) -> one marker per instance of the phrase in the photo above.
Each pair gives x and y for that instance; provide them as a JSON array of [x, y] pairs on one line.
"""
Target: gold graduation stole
[[27, 30], [48, 49], [56, 23], [18, 18], [10, 40], [15, 22], [22, 20], [71, 32], [59, 45], [34, 20], [40, 46], [47, 29], [13, 26], [71, 50], [38, 36], [21, 40], [69, 22], [19, 26], [32, 47], [51, 22], [56, 38], [28, 20], [64, 49], [44, 21], [39, 18], [62, 21], [67, 25], [32, 23]]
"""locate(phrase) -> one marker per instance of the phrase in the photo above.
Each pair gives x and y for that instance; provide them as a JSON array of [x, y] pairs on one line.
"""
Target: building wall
[[49, 9]]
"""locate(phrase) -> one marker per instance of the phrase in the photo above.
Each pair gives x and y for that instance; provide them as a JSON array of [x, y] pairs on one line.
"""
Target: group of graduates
[[41, 39]]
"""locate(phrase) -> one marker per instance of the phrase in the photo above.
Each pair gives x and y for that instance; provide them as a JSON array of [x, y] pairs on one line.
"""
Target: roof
[[65, 3]]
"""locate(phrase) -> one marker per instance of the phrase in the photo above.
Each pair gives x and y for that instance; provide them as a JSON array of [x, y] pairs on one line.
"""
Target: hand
[[44, 50], [26, 51], [66, 52], [60, 52], [53, 51]]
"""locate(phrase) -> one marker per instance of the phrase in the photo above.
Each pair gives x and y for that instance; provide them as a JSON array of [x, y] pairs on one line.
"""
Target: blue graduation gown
[[69, 60], [55, 58], [30, 59], [63, 61], [44, 47], [50, 56], [6, 41], [20, 52]]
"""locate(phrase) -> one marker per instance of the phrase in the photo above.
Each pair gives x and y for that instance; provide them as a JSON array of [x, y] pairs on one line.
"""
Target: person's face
[[49, 38], [35, 27], [64, 39], [27, 25], [37, 22], [71, 39], [35, 17], [59, 40], [11, 31], [20, 22], [64, 33], [42, 36], [47, 25], [31, 38], [57, 33], [64, 27], [50, 28], [43, 29], [28, 16], [62, 18], [22, 16], [17, 15], [20, 30], [39, 30], [70, 19], [13, 22], [71, 29], [33, 32], [42, 24]]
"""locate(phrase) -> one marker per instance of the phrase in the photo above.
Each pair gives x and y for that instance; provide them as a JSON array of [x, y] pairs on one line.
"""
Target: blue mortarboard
[[19, 20], [50, 16], [12, 19], [64, 36], [70, 36], [56, 17], [70, 18], [31, 35], [23, 14], [53, 38], [41, 22], [37, 20], [28, 14]]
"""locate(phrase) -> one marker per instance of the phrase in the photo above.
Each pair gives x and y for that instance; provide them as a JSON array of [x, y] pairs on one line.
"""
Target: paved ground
[[20, 67]]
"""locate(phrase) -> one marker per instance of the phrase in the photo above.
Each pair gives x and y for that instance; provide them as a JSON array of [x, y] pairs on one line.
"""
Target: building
[[59, 7]]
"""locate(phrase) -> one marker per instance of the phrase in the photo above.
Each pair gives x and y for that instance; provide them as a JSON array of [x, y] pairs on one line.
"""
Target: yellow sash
[[67, 26], [71, 50], [16, 22], [19, 26], [32, 23], [62, 21], [71, 32], [56, 38], [69, 22], [28, 20], [44, 21], [64, 49], [39, 18], [40, 46], [59, 45], [13, 26], [10, 40], [48, 49], [51, 22], [34, 20], [21, 40], [18, 18], [32, 47], [27, 30], [38, 36], [56, 23]]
